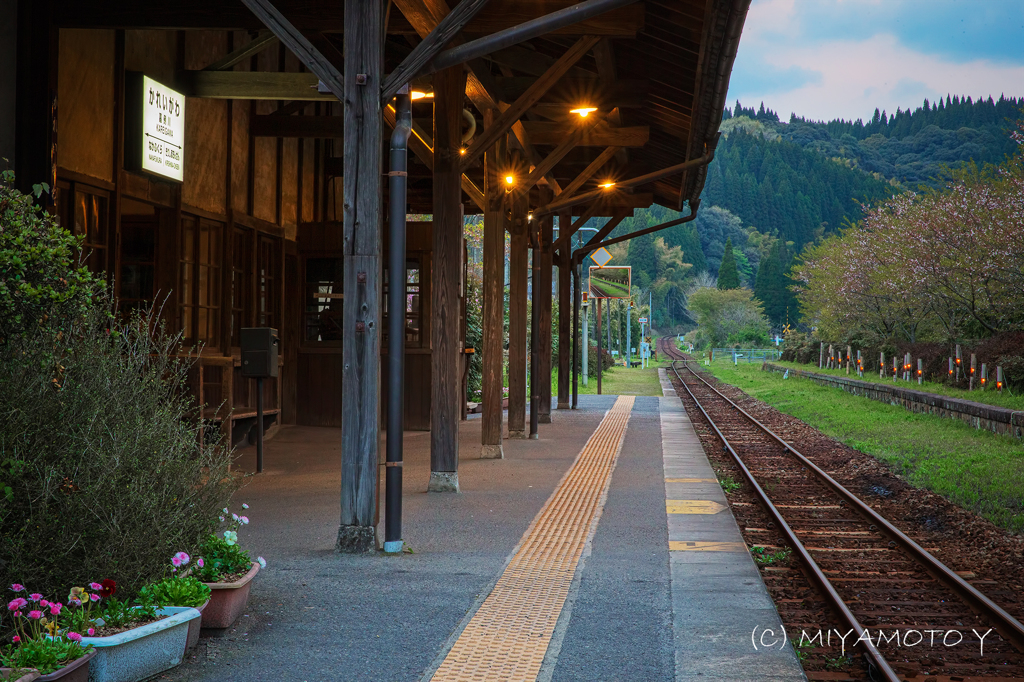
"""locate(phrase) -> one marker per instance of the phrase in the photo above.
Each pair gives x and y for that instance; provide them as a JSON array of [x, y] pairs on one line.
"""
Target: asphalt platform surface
[[316, 615]]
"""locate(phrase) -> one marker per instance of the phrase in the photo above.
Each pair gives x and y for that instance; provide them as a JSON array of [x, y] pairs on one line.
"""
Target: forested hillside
[[776, 187]]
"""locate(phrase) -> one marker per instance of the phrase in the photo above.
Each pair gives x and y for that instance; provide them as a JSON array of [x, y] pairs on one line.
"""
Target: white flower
[[234, 516], [263, 562], [230, 537], [245, 506], [221, 518], [225, 510], [243, 519]]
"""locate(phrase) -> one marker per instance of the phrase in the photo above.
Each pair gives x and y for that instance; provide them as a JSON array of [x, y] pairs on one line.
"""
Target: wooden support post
[[445, 276], [564, 318], [517, 295], [959, 362], [542, 298], [831, 356], [999, 378], [360, 430], [493, 303]]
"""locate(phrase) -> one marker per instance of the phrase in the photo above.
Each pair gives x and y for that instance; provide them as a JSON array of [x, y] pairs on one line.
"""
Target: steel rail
[[814, 573], [1009, 627]]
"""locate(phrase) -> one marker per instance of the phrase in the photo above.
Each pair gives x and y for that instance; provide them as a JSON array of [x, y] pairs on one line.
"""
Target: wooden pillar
[[493, 303], [446, 272], [564, 317], [517, 277], [360, 424], [35, 106], [542, 298]]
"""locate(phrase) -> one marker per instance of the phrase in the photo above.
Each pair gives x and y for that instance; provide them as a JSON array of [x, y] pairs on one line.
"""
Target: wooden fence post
[[984, 375], [881, 365], [974, 361], [959, 361], [821, 355], [999, 378], [920, 372]]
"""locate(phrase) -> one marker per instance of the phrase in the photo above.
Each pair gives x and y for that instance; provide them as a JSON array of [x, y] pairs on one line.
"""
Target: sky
[[826, 59]]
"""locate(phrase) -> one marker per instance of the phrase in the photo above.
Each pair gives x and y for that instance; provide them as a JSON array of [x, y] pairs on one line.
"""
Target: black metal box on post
[[260, 349]]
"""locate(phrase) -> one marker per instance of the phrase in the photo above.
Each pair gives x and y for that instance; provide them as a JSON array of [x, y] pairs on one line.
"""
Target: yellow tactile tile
[[698, 546], [508, 636]]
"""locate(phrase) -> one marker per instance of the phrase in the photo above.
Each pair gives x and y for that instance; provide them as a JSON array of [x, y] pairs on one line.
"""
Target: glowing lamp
[[583, 111], [607, 185], [419, 94], [510, 180], [462, 151]]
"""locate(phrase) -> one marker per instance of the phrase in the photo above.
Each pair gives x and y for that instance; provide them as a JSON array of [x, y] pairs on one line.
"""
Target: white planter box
[[138, 653]]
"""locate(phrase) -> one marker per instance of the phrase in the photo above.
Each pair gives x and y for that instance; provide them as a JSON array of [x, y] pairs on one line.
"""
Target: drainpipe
[[398, 178]]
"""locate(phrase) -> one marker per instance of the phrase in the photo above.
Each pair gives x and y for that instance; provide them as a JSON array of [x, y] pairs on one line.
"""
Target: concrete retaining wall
[[978, 415]]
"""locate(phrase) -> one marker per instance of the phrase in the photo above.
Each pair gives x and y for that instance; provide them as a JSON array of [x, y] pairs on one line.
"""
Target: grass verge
[[978, 470], [988, 397], [620, 381]]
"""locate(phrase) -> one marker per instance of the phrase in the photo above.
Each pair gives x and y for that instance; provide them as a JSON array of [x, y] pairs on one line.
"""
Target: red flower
[[109, 588]]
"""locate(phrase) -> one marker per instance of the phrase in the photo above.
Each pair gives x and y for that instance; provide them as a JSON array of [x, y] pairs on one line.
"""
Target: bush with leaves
[[42, 280], [111, 475]]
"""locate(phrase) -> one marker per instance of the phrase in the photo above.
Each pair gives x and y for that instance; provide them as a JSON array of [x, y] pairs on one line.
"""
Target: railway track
[[868, 574]]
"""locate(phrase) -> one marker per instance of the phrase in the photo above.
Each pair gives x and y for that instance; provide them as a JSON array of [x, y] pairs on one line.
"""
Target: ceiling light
[[583, 111]]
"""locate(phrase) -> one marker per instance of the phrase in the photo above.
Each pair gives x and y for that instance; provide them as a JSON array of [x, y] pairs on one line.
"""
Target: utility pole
[[586, 341]]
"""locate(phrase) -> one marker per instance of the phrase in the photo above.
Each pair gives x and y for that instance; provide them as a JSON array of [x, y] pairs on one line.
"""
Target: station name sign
[[154, 128]]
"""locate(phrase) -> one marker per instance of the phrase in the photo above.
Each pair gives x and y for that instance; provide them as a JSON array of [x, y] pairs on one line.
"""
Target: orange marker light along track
[[509, 635]]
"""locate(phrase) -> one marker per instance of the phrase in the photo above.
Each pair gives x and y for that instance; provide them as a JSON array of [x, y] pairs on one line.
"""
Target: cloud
[[842, 59]]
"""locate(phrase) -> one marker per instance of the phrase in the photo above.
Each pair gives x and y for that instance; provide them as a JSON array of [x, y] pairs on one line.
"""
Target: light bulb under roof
[[419, 94], [607, 185], [510, 179], [583, 111]]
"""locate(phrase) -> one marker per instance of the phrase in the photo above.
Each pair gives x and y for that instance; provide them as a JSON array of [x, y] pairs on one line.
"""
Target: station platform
[[603, 551]]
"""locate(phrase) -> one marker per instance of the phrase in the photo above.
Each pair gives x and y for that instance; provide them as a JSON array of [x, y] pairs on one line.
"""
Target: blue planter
[[144, 651]]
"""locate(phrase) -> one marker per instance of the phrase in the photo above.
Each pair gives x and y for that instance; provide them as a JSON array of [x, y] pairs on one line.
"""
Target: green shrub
[[103, 459], [42, 281]]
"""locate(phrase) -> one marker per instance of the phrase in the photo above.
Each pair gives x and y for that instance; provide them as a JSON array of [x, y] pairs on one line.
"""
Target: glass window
[[199, 280], [325, 299], [138, 262], [413, 305]]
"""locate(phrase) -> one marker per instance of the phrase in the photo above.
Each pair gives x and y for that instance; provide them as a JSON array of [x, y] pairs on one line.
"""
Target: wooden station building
[[269, 123]]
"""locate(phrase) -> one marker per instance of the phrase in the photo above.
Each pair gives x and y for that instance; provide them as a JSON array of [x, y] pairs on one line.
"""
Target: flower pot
[[30, 676], [228, 600], [138, 653], [77, 671], [193, 629]]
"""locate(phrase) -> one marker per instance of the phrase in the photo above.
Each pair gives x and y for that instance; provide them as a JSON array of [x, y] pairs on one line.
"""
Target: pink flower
[[15, 639], [55, 609], [35, 596], [74, 637], [94, 597], [91, 631], [17, 614], [243, 519], [95, 586], [35, 615], [176, 561], [16, 604], [44, 603], [183, 558], [200, 562], [16, 587]]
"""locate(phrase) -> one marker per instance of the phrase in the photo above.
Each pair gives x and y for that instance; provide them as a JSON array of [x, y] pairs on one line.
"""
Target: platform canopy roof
[[655, 72]]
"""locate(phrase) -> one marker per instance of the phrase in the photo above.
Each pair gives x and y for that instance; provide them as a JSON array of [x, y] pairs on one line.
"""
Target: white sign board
[[643, 320], [154, 128], [163, 130]]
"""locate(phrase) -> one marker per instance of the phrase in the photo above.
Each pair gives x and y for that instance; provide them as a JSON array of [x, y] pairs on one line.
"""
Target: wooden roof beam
[[262, 41], [588, 172], [545, 133], [421, 145], [299, 45], [508, 117], [429, 47], [551, 160], [252, 85]]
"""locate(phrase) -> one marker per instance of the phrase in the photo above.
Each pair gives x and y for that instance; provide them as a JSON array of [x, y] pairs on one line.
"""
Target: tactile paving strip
[[508, 636]]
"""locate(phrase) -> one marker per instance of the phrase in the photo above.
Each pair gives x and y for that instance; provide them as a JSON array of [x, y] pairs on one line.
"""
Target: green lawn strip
[[620, 381], [988, 397], [978, 470]]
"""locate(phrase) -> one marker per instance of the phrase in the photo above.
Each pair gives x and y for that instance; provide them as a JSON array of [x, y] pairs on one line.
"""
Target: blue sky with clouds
[[827, 59]]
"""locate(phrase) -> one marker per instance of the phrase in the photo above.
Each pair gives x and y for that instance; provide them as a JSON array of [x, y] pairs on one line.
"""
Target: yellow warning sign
[[693, 507], [691, 480], [695, 546]]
